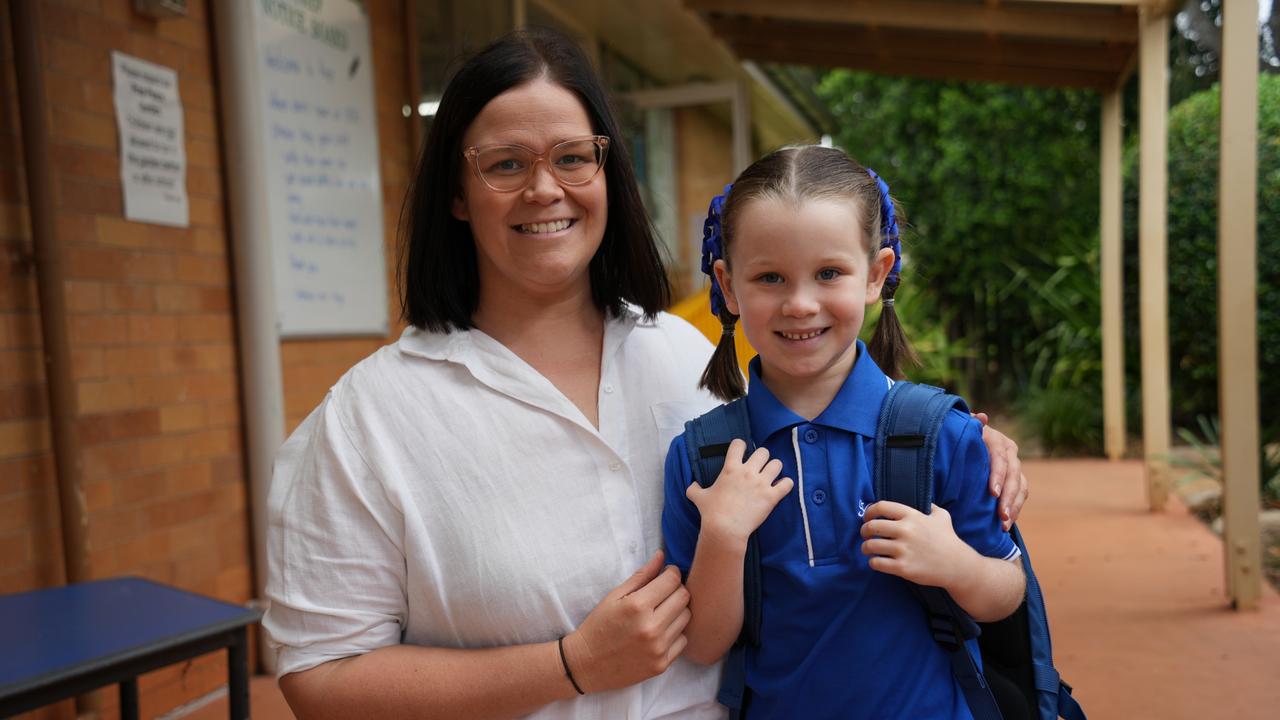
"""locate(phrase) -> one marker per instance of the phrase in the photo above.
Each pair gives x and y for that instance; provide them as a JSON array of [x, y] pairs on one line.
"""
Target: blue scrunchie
[[888, 229], [713, 247]]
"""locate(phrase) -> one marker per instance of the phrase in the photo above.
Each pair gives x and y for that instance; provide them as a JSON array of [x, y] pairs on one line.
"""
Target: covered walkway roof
[[1086, 44]]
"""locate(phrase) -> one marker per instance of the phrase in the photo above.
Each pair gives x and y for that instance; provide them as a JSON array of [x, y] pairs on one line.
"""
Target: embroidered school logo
[[862, 508]]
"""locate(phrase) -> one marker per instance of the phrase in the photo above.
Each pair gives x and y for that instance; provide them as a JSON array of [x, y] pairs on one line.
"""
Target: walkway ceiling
[[1060, 43]]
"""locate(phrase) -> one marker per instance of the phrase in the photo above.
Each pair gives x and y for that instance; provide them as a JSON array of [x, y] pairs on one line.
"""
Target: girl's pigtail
[[889, 346], [722, 376]]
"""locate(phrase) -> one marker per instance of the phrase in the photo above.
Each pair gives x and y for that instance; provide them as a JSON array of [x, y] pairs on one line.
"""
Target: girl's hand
[[921, 548], [742, 496], [635, 633], [1007, 481]]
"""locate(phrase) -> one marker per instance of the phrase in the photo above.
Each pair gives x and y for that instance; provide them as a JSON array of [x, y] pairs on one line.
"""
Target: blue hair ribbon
[[713, 247], [889, 237]]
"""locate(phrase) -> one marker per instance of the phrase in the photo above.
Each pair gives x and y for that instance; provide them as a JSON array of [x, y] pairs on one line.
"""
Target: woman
[[461, 528]]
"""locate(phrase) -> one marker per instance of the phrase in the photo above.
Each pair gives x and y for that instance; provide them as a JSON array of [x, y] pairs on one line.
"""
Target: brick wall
[[151, 325]]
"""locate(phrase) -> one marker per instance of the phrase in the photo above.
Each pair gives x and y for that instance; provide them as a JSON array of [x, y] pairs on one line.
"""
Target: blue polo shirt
[[838, 639]]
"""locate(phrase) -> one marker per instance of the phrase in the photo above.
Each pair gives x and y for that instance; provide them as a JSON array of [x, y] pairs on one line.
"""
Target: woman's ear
[[459, 209], [881, 264], [721, 269]]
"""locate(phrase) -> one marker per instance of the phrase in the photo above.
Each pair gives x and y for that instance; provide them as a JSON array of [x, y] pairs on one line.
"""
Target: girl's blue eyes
[[824, 275]]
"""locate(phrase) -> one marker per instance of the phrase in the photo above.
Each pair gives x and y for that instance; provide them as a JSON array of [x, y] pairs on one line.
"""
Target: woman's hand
[[635, 633], [742, 496], [1007, 481]]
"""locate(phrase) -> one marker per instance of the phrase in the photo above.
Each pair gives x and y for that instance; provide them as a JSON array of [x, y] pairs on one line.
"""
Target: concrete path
[[1141, 625]]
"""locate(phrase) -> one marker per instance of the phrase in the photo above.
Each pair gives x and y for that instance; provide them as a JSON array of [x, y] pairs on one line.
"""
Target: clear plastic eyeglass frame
[[507, 168]]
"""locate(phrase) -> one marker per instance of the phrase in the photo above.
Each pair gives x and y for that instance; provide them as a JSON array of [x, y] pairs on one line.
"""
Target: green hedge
[[1193, 256]]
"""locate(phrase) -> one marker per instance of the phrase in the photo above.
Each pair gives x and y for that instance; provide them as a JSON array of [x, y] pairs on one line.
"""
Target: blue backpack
[[1019, 681]]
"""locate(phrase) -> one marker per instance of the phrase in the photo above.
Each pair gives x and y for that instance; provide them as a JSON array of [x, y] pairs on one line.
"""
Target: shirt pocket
[[669, 418]]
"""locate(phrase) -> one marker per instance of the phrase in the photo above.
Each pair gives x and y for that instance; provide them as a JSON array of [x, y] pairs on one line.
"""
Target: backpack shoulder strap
[[906, 440], [707, 437], [706, 440]]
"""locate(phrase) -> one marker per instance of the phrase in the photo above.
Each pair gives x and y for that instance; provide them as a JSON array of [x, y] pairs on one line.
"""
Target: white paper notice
[[153, 156]]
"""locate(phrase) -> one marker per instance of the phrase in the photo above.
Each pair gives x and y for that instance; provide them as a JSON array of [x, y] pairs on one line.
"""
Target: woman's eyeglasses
[[507, 168]]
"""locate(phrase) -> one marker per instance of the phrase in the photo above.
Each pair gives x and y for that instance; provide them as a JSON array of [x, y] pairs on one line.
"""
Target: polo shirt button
[[608, 388], [615, 466], [819, 496], [811, 435]]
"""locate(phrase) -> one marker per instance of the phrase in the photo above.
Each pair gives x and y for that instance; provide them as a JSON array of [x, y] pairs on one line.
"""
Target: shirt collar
[[855, 408]]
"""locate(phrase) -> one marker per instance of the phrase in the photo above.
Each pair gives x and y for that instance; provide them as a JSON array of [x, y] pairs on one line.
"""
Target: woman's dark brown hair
[[440, 282], [794, 174]]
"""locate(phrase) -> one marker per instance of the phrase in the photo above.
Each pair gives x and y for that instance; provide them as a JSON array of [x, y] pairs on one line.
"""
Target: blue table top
[[46, 634]]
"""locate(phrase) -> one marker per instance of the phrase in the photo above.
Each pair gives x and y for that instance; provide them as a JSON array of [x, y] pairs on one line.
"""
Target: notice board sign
[[317, 127]]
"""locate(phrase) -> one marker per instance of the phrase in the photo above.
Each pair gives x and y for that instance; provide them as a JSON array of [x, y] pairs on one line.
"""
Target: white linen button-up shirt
[[447, 494]]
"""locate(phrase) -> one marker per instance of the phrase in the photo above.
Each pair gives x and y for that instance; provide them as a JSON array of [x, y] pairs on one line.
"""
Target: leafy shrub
[[1193, 255]]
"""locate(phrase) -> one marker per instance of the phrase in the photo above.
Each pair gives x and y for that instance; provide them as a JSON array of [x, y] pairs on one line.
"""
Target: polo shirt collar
[[854, 409]]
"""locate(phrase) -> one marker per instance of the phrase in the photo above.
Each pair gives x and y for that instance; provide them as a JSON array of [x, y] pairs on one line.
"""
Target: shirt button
[[615, 466], [608, 388], [811, 435], [819, 496]]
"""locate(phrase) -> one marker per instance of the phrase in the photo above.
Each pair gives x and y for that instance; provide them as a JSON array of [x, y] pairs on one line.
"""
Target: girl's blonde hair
[[812, 172]]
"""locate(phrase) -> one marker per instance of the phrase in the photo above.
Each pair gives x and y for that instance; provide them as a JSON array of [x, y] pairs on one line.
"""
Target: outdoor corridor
[[1140, 621]]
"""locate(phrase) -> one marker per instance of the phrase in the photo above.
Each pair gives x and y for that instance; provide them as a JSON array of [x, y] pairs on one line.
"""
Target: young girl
[[806, 240]]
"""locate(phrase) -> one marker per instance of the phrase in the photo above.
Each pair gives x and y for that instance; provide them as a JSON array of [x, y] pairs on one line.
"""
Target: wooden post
[[1237, 301], [1112, 226], [1153, 46]]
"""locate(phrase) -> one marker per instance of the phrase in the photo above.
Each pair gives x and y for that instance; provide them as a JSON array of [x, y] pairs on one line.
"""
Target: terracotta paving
[[1141, 626]]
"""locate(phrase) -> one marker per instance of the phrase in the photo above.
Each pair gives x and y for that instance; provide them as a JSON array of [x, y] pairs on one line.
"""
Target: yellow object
[[697, 310]]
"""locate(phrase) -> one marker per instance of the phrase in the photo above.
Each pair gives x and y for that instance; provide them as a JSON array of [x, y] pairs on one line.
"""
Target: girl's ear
[[721, 269], [881, 264]]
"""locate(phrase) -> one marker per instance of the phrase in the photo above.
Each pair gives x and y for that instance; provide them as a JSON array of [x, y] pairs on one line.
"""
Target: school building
[[151, 210]]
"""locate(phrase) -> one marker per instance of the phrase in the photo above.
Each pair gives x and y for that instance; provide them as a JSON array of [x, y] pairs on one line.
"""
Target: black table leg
[[129, 699], [238, 676]]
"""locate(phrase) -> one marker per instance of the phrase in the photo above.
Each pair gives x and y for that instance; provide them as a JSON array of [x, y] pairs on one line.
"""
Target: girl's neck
[[808, 396]]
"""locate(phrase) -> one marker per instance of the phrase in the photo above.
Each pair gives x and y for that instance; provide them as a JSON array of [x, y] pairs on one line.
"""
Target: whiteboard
[[317, 132]]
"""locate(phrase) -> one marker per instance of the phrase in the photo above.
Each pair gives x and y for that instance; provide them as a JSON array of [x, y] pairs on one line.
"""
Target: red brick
[[140, 488], [205, 212], [104, 395], [97, 329], [203, 153], [161, 390], [15, 550], [74, 227], [189, 478], [107, 460], [178, 510], [64, 90], [24, 437], [21, 366], [105, 427], [99, 98], [84, 128], [152, 329], [178, 418], [162, 450], [207, 327], [77, 59], [132, 297], [84, 162], [93, 197], [25, 473], [87, 363], [111, 527], [224, 413], [98, 495], [23, 401], [83, 295]]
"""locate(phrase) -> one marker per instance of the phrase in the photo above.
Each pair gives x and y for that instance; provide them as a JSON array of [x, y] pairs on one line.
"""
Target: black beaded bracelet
[[567, 672]]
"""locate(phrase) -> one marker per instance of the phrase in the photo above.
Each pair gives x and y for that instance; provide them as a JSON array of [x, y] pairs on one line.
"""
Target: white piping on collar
[[804, 511]]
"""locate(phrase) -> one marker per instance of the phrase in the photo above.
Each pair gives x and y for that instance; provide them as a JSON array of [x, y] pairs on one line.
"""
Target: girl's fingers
[[782, 487], [758, 459], [880, 547], [880, 527], [887, 509]]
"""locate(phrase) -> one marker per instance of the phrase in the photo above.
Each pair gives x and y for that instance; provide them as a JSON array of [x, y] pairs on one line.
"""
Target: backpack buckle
[[944, 630]]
